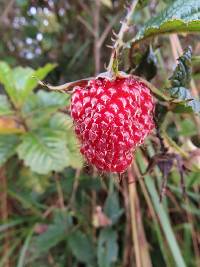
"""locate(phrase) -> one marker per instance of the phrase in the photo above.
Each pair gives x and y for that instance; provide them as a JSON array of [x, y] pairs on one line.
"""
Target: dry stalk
[[4, 212]]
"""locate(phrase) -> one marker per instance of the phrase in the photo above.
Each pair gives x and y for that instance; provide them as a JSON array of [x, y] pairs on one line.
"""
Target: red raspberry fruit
[[111, 118]]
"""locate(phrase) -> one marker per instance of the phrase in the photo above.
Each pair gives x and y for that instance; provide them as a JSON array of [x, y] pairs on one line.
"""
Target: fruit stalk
[[120, 36]]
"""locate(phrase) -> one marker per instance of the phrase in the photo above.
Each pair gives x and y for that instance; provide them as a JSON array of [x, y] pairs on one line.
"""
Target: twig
[[96, 22], [74, 189], [107, 30], [7, 10], [84, 7], [124, 28], [86, 24], [60, 193]]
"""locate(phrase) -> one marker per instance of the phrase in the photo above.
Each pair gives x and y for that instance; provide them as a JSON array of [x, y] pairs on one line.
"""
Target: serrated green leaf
[[107, 250], [19, 82], [187, 102], [8, 144], [82, 247], [60, 121], [179, 16], [41, 105], [76, 160], [5, 107], [64, 122], [44, 151], [182, 73], [6, 78]]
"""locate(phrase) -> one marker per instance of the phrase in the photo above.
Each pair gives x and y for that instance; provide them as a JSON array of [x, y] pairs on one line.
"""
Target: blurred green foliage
[[55, 209]]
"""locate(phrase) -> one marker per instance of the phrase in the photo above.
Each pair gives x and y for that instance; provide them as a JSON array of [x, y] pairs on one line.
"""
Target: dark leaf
[[54, 233], [107, 250], [82, 247], [112, 208], [8, 144], [182, 73], [5, 107], [179, 16], [186, 102], [148, 65]]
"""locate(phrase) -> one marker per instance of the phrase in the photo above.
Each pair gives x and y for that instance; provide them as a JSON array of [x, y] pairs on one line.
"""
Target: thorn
[[127, 5], [114, 33], [105, 67], [110, 46], [40, 82]]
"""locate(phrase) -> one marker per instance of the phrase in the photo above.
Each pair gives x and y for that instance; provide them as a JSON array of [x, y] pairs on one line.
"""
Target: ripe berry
[[111, 118]]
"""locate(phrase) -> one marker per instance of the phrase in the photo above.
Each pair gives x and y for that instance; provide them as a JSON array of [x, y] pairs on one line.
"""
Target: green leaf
[[187, 102], [5, 107], [107, 250], [55, 233], [6, 79], [181, 79], [40, 74], [75, 160], [38, 107], [183, 71], [44, 151], [45, 100], [64, 122], [112, 208], [82, 247], [187, 127], [19, 82], [179, 16], [8, 144]]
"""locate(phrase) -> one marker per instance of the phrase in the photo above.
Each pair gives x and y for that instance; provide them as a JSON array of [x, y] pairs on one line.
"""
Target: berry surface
[[111, 118]]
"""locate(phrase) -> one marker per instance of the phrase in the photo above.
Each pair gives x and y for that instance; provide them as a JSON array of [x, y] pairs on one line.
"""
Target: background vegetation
[[57, 211]]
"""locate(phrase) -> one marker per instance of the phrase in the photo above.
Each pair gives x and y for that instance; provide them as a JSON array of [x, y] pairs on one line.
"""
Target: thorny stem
[[120, 36], [96, 36]]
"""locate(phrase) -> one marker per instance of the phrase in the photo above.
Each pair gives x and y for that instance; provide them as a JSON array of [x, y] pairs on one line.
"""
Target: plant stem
[[120, 36], [96, 23], [133, 211]]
